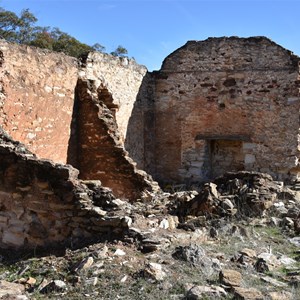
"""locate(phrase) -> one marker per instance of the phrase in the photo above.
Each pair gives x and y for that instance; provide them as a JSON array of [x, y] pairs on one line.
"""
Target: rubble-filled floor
[[235, 238]]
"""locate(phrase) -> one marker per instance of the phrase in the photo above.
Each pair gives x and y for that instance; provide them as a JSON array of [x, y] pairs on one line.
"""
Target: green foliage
[[98, 47], [17, 29], [22, 29], [120, 51], [8, 25]]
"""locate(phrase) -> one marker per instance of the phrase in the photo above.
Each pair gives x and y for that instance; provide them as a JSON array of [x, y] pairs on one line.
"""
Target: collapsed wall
[[44, 204], [225, 104], [100, 152], [48, 103]]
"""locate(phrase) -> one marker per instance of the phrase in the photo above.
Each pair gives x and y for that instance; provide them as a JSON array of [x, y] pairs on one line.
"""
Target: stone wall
[[37, 97], [121, 77], [100, 153], [44, 204], [226, 104], [141, 127], [39, 107]]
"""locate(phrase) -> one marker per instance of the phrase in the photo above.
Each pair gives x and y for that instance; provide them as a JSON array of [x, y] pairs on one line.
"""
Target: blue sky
[[152, 29]]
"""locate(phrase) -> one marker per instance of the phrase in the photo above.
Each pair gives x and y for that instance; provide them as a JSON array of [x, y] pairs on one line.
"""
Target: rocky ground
[[234, 238]]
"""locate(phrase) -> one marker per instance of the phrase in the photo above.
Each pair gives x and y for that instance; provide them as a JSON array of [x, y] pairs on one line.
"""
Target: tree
[[23, 30], [63, 42], [8, 24], [120, 51], [43, 38], [26, 30], [17, 29], [98, 47]]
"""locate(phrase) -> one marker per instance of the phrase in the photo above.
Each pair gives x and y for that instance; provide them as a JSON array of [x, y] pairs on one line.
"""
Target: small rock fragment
[[119, 252], [273, 281], [154, 271], [200, 291], [103, 252], [164, 224], [54, 286], [248, 252], [91, 281], [84, 264]]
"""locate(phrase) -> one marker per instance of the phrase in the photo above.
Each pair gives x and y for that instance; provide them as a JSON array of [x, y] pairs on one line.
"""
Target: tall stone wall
[[226, 104], [100, 152], [41, 105], [141, 126], [37, 98]]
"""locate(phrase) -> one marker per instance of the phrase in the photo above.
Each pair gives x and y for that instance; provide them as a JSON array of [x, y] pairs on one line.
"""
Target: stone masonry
[[44, 204], [223, 104], [42, 106], [37, 97]]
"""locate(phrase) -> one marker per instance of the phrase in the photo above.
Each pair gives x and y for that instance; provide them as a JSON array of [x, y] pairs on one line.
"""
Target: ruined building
[[223, 104], [77, 127]]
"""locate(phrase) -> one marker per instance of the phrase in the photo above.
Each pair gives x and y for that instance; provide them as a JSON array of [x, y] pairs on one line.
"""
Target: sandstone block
[[247, 294], [230, 277]]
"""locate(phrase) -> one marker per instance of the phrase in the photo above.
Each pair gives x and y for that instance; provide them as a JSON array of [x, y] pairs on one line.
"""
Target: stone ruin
[[223, 104]]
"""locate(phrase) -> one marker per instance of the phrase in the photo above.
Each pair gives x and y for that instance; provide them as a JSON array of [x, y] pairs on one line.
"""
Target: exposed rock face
[[224, 104]]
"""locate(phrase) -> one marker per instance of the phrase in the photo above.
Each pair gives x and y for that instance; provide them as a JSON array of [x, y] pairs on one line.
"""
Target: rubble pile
[[240, 194]]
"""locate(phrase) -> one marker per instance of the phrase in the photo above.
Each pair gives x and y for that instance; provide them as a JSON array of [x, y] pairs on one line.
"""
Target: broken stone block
[[248, 252], [247, 294], [54, 286], [9, 289], [230, 277], [200, 291], [154, 271], [270, 259], [281, 295], [85, 264], [274, 282]]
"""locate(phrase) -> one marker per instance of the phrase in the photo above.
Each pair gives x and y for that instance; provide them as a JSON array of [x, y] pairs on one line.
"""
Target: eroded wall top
[[37, 94], [230, 54], [121, 77]]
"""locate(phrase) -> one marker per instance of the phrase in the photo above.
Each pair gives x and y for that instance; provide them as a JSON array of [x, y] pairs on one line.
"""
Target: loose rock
[[230, 277]]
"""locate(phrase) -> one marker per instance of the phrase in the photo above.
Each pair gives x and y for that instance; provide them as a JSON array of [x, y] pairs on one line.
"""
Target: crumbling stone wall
[[40, 107], [44, 204], [37, 97], [99, 147], [121, 77], [226, 104]]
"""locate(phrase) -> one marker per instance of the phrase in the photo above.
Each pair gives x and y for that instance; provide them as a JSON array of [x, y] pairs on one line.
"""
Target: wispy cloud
[[106, 6]]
